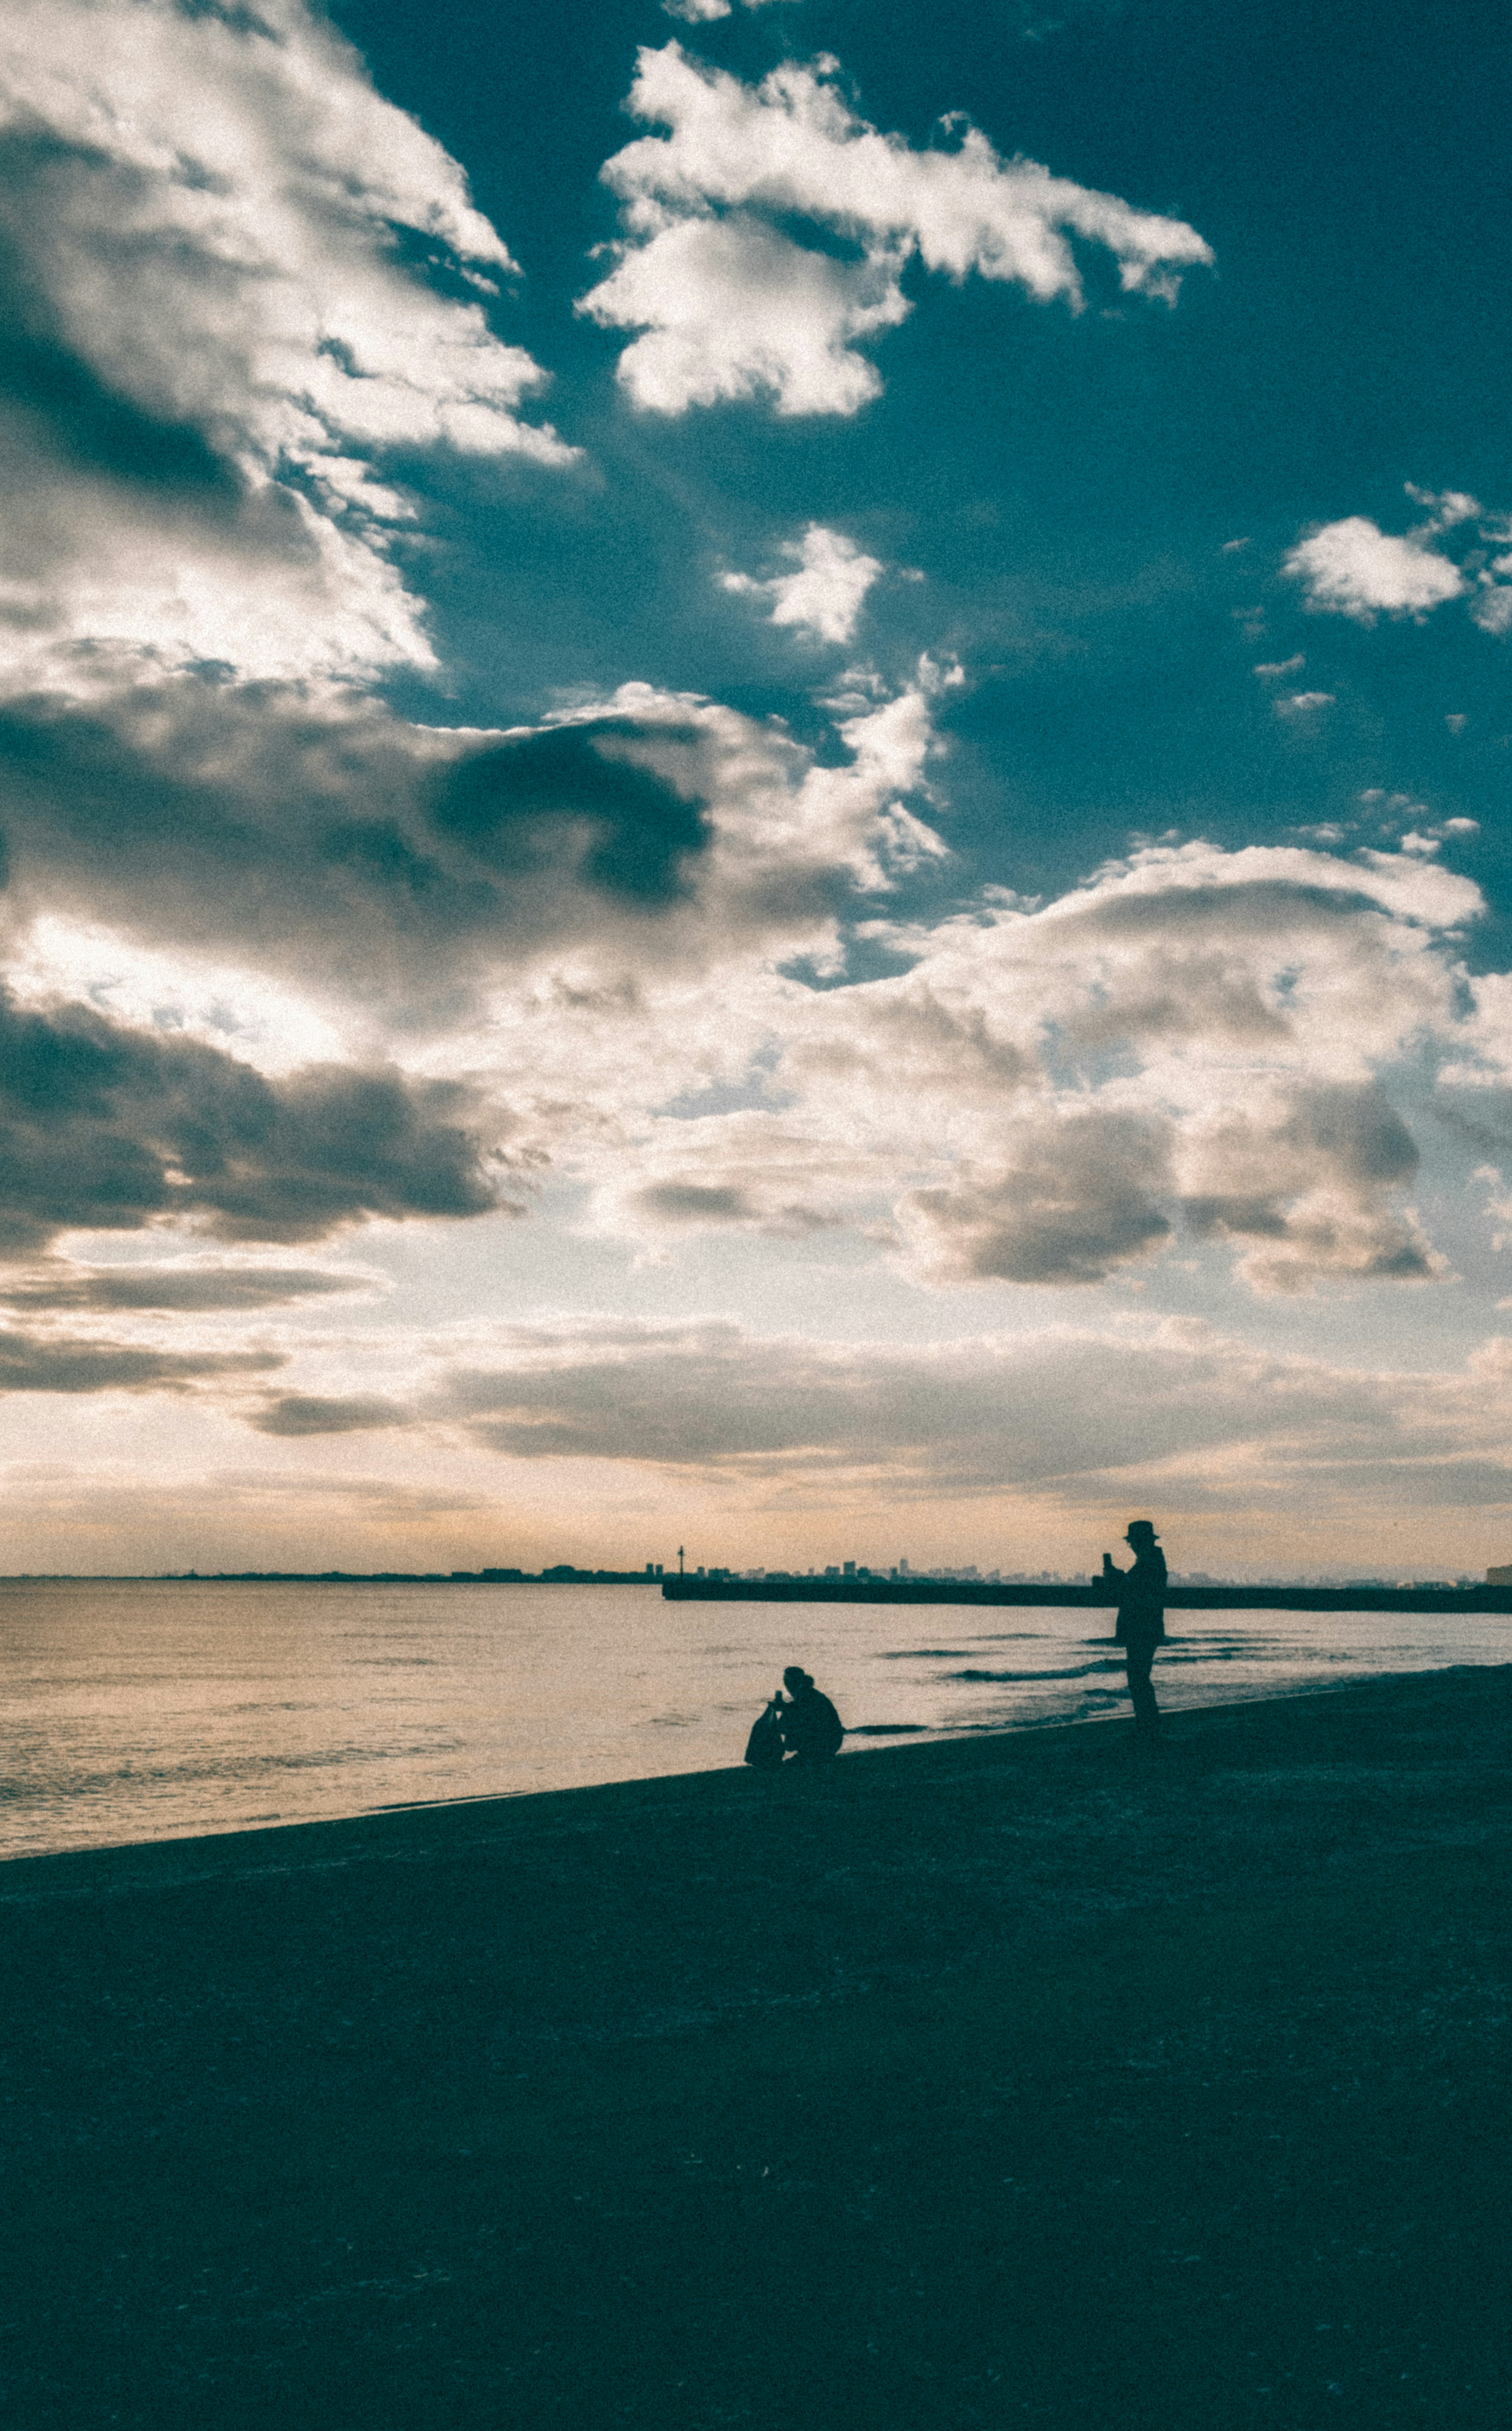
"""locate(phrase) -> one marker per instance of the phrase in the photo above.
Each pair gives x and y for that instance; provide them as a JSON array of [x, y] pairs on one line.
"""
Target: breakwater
[[1096, 1595]]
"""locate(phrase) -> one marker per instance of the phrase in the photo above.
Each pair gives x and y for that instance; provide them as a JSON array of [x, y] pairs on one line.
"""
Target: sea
[[141, 1709]]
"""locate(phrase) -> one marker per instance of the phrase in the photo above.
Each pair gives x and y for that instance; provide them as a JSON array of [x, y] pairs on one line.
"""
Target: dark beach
[[1008, 2080]]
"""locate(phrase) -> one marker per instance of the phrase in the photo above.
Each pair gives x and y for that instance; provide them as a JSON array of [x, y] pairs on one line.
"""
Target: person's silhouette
[[1141, 1599], [811, 1728]]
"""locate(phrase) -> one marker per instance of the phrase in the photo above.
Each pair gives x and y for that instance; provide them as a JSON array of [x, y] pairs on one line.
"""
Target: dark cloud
[[42, 1364], [1352, 1132], [252, 817], [188, 1288], [1315, 1179], [1080, 1196], [644, 827], [64, 405], [711, 1205], [104, 1127], [696, 1202], [315, 1414]]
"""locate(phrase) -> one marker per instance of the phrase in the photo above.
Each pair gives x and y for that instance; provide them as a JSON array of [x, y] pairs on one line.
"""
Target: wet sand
[[1008, 2080]]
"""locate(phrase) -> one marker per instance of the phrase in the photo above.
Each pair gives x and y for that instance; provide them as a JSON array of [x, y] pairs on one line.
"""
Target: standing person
[[810, 1726], [1141, 1598]]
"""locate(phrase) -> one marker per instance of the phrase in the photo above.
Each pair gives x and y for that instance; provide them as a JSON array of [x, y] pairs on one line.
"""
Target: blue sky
[[753, 774]]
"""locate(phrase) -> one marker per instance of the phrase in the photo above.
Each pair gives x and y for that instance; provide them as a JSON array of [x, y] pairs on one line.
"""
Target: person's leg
[[1141, 1653]]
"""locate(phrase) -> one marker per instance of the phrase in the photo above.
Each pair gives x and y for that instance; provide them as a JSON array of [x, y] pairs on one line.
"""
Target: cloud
[[49, 1363], [1302, 704], [1079, 1196], [1354, 569], [188, 1287], [392, 873], [824, 597], [1192, 1043], [1311, 1172], [732, 306], [239, 279], [1170, 1409], [706, 12], [106, 1128], [312, 1413], [599, 774]]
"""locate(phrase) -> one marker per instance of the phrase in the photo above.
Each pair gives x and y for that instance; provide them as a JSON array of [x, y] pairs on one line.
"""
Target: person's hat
[[1139, 1528]]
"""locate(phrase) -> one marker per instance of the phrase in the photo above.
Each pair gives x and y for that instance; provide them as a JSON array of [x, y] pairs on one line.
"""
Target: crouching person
[[811, 1729]]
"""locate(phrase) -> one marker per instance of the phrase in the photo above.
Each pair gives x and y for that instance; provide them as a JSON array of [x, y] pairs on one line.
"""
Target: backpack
[[764, 1748]]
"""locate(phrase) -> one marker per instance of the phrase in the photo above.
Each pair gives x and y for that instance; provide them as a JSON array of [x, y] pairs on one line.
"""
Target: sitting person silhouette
[[811, 1729], [1141, 1598]]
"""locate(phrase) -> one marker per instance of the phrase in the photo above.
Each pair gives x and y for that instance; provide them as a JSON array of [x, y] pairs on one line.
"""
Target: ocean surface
[[140, 1710]]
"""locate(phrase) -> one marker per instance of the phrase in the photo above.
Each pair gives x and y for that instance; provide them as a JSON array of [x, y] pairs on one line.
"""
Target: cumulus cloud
[[1353, 568], [1078, 1196], [107, 1128], [1191, 1045], [732, 306], [1357, 570], [826, 596], [397, 867], [218, 339], [1311, 1174]]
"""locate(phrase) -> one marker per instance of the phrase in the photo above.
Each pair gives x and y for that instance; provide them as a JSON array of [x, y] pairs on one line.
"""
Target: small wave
[[1029, 1678]]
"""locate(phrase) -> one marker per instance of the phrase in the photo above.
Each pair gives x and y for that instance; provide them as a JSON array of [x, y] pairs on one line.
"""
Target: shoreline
[[605, 1804], [906, 1741]]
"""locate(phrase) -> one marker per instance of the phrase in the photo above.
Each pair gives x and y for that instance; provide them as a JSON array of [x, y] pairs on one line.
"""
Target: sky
[[752, 770]]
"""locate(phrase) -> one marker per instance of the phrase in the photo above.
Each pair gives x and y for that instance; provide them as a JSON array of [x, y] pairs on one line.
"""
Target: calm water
[[138, 1711]]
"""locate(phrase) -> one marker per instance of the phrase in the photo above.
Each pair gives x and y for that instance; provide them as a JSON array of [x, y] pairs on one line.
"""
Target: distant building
[[1501, 1577]]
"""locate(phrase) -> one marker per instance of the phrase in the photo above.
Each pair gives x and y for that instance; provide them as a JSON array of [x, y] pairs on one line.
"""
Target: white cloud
[[823, 598], [1492, 604], [706, 12], [1188, 1045], [203, 208], [732, 307], [1446, 508], [1353, 568], [1302, 704], [1356, 569]]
